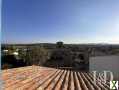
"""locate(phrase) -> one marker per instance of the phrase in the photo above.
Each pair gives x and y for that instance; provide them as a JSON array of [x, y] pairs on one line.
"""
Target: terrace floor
[[44, 78]]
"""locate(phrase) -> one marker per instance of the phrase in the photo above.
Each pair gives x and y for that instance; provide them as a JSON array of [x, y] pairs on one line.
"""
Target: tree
[[36, 55], [59, 44]]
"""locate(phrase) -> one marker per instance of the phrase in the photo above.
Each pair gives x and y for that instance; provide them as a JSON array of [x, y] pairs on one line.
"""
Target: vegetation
[[36, 55], [58, 54], [59, 44]]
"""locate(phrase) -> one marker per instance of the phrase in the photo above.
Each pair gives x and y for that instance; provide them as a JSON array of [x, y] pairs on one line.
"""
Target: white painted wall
[[101, 63]]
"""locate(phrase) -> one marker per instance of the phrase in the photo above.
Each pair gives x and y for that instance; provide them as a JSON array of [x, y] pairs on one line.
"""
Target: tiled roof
[[43, 78]]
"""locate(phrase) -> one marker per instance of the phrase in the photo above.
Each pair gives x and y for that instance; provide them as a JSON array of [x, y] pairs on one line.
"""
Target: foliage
[[59, 44], [36, 55]]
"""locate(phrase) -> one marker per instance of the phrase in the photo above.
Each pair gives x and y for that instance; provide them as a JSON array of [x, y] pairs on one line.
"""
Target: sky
[[70, 21]]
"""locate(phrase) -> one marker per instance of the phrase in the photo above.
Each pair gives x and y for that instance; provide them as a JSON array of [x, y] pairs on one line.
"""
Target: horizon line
[[103, 43]]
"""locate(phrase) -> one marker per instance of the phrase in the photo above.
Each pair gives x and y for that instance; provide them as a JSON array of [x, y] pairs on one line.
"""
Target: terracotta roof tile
[[44, 78]]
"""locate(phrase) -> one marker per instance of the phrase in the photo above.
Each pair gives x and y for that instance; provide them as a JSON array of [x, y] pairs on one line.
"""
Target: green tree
[[36, 55], [59, 44]]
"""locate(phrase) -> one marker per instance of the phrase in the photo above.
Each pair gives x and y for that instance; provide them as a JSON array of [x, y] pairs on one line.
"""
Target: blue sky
[[70, 21]]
